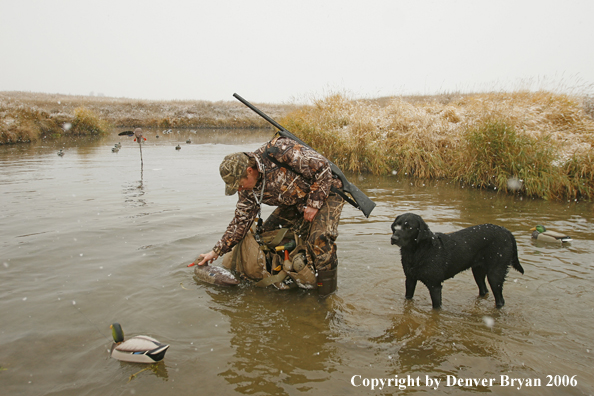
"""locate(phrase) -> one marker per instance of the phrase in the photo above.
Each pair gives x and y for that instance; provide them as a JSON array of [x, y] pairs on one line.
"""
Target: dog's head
[[408, 228]]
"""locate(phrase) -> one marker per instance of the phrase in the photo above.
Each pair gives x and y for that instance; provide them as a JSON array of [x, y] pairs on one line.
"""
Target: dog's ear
[[424, 232]]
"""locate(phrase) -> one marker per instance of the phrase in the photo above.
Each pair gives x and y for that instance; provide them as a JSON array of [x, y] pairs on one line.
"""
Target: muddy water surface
[[86, 240]]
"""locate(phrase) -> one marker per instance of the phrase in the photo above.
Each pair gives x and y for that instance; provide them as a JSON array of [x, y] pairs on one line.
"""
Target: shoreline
[[25, 116], [536, 144]]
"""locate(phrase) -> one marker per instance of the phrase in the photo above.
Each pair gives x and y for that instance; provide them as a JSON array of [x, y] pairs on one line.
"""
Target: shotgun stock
[[359, 199]]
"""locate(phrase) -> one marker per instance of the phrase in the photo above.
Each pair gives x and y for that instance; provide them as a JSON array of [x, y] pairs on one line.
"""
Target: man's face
[[249, 182]]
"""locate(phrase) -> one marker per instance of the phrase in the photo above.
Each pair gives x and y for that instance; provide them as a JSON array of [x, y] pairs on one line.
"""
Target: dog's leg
[[496, 283], [435, 292], [480, 273], [411, 284]]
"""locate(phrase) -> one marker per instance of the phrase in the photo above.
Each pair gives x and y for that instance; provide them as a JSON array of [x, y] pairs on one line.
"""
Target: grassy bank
[[26, 117], [25, 124], [535, 144]]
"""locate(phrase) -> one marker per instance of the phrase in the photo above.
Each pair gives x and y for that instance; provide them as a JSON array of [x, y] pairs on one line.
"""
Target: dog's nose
[[394, 240]]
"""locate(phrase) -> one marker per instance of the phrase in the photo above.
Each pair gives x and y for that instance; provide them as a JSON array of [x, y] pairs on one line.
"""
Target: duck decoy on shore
[[138, 349], [178, 147], [188, 141], [61, 153], [541, 234], [115, 149]]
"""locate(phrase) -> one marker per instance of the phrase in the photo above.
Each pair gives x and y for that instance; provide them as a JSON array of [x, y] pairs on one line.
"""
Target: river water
[[88, 239]]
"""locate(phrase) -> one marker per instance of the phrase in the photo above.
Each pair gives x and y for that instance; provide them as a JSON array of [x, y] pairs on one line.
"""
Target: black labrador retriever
[[432, 258]]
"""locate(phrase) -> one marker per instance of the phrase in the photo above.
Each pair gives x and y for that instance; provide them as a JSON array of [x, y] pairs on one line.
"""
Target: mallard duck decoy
[[541, 234], [61, 153], [118, 145], [138, 349], [188, 141], [178, 147], [115, 149]]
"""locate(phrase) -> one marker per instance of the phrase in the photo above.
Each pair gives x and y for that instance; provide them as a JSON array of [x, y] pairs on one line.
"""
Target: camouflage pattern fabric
[[320, 234], [310, 186], [231, 169]]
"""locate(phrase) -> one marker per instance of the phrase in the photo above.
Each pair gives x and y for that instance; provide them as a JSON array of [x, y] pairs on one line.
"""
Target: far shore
[[26, 116], [537, 144]]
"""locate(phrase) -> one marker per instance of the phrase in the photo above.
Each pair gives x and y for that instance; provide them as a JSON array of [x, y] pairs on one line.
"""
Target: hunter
[[298, 181]]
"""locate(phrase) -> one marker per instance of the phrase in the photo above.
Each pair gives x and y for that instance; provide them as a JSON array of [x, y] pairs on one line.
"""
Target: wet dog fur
[[434, 257]]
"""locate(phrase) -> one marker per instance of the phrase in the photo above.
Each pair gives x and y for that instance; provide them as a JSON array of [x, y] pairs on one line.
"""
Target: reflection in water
[[281, 339], [159, 369], [134, 194], [431, 342]]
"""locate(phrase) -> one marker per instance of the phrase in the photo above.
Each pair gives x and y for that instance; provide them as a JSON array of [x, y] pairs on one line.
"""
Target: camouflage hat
[[232, 168]]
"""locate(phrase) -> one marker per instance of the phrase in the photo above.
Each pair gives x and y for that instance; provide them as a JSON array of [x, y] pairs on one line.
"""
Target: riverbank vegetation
[[537, 144], [26, 117]]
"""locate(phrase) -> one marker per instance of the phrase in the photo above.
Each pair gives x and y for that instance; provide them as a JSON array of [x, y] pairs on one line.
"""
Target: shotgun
[[359, 199]]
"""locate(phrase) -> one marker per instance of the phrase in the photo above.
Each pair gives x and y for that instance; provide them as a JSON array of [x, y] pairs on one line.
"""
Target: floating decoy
[[188, 141], [138, 349], [541, 234], [178, 147], [61, 153], [118, 145], [115, 149]]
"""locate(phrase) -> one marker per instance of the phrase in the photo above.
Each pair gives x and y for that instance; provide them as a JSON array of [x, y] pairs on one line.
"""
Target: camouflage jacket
[[307, 184]]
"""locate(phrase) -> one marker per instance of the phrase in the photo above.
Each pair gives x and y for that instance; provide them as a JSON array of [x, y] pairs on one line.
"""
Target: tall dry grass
[[22, 124], [129, 113], [540, 140]]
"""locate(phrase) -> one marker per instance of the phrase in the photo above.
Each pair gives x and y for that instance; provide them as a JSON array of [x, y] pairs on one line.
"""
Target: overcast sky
[[281, 51]]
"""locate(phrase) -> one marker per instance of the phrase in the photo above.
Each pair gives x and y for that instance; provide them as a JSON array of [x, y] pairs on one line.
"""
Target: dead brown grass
[[542, 139], [123, 112]]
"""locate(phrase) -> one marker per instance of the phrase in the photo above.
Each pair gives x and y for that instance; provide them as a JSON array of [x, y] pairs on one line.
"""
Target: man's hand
[[309, 213], [206, 258]]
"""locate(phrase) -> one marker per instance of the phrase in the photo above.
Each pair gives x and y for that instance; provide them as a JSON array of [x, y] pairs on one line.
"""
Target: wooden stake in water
[[137, 133], [139, 138], [141, 163]]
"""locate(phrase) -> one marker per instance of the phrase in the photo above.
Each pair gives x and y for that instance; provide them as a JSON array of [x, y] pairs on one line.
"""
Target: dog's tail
[[515, 262]]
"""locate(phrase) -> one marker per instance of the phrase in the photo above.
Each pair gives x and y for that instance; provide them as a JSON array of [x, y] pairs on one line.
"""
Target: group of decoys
[[137, 133], [540, 233]]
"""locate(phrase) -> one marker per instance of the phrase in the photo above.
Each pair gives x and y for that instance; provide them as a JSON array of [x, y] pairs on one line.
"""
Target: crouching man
[[298, 181]]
